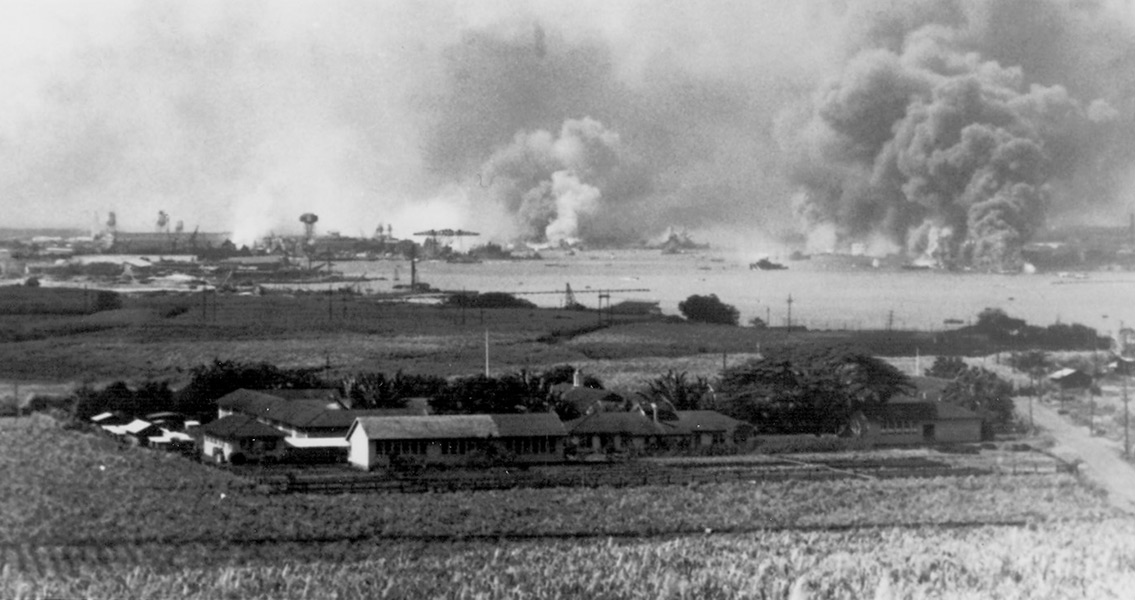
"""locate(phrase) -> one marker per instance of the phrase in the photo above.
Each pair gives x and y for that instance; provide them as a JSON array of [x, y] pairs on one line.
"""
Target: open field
[[85, 517], [162, 336]]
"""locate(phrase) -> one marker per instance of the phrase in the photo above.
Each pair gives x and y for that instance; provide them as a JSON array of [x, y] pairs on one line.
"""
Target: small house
[[137, 432], [172, 441], [241, 438], [912, 422], [1122, 365], [1071, 379], [455, 439]]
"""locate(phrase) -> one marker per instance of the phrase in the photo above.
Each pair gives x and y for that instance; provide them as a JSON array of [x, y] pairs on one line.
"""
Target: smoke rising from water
[[929, 137], [954, 129]]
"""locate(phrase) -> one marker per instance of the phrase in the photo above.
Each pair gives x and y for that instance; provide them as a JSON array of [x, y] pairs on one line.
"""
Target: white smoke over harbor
[[554, 184]]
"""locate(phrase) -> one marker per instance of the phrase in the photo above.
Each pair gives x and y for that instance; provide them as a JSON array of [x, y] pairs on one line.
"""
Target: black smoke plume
[[938, 135]]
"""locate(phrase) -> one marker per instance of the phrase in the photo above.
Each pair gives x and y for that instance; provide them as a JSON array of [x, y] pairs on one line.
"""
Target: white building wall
[[361, 452]]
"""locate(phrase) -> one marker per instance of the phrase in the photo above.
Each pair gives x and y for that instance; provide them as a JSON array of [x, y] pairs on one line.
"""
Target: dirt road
[[1100, 458]]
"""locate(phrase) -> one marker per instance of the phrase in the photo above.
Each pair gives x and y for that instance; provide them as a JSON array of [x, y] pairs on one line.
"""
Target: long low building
[[455, 439], [605, 432]]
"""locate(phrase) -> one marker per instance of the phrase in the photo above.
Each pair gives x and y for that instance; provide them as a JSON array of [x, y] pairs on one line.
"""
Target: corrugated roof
[[529, 425], [901, 411], [460, 426], [240, 426], [427, 427], [706, 420], [627, 423], [301, 412], [953, 412], [585, 399]]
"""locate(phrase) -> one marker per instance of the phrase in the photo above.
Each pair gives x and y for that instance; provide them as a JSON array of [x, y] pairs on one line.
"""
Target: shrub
[[488, 300], [708, 309], [946, 367]]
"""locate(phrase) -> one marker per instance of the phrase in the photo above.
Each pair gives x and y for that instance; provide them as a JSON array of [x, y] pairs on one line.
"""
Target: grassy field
[[82, 517], [160, 336]]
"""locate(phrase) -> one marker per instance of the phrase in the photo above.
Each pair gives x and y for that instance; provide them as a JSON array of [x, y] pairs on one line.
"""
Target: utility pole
[[789, 321], [486, 353], [890, 319], [1126, 430]]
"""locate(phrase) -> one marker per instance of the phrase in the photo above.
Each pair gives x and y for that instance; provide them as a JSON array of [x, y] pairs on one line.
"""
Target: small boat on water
[[765, 264]]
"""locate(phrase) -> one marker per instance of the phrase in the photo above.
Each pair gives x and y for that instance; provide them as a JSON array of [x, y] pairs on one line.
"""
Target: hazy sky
[[839, 120]]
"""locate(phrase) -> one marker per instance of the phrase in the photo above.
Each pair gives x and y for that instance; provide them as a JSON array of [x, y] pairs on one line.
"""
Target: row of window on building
[[532, 445], [899, 427]]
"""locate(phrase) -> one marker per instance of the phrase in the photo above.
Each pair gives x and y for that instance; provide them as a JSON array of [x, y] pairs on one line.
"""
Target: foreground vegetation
[[83, 517], [1095, 560]]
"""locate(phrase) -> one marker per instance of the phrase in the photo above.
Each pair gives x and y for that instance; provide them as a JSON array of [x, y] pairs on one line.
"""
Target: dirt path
[[1101, 458]]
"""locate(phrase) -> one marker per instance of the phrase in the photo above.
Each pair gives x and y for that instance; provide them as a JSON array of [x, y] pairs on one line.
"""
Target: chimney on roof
[[577, 378]]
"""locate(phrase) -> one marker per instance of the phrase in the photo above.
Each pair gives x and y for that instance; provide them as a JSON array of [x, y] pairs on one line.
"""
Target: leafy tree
[[210, 382], [680, 391], [986, 394], [708, 309], [152, 396], [1036, 363], [510, 393], [801, 389], [488, 300], [758, 323], [376, 390], [481, 394], [946, 367], [998, 324], [566, 374]]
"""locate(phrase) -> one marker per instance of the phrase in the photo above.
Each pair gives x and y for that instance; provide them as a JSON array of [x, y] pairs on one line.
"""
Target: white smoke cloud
[[574, 200], [551, 183]]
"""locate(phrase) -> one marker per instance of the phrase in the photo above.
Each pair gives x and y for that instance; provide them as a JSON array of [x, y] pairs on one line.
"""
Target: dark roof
[[706, 420], [459, 426], [240, 426], [529, 425], [627, 423], [329, 396], [900, 411], [918, 411], [586, 399], [333, 419], [953, 412], [165, 416], [425, 427], [301, 412]]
